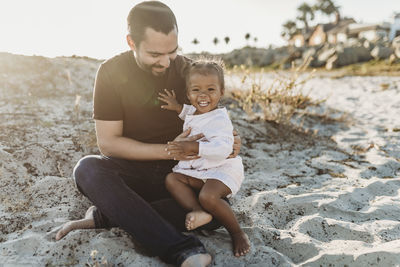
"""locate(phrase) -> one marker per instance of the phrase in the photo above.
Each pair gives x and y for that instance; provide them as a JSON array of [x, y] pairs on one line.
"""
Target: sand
[[324, 193]]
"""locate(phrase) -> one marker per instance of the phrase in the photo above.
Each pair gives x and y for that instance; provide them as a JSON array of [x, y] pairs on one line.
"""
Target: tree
[[306, 14], [227, 39], [247, 37], [289, 29], [195, 41], [216, 41], [328, 8]]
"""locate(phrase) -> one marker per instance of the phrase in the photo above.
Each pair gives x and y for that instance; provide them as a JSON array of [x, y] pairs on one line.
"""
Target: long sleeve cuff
[[186, 110]]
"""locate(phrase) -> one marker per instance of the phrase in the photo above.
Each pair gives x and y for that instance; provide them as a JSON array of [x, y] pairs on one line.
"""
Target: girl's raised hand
[[170, 99]]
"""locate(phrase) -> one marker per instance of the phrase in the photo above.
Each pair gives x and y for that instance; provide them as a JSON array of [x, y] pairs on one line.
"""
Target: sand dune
[[326, 193]]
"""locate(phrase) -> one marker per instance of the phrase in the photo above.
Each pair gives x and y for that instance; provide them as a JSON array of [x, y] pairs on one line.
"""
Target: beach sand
[[324, 192]]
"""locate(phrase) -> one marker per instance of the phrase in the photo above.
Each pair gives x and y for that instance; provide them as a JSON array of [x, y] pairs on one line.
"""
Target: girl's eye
[[195, 90], [211, 89]]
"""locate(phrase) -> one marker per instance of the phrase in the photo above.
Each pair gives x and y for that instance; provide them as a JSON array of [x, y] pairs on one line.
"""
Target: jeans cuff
[[97, 221], [190, 252]]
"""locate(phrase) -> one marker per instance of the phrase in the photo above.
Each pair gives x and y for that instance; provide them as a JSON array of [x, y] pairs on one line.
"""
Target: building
[[370, 31], [345, 30], [338, 34], [322, 33], [395, 27], [301, 39], [330, 32], [319, 35]]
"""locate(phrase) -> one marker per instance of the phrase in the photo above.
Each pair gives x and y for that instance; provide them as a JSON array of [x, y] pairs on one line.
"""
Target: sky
[[97, 28]]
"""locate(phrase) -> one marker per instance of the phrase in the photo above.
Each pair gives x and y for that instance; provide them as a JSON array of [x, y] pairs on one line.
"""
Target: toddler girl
[[213, 175]]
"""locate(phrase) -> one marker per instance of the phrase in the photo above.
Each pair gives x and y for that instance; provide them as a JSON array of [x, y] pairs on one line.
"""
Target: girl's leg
[[182, 188], [210, 198]]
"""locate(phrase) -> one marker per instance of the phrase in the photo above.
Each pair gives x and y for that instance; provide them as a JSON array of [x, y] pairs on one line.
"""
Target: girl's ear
[[187, 92]]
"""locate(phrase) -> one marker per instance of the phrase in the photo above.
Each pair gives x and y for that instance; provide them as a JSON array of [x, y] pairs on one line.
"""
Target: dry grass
[[275, 102], [96, 261], [369, 68], [86, 136]]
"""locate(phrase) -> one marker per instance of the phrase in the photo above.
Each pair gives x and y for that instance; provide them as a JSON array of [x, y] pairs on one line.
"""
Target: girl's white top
[[214, 148]]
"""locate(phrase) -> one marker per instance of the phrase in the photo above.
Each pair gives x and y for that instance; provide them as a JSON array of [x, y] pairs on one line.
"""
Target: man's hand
[[170, 99], [183, 138], [237, 143]]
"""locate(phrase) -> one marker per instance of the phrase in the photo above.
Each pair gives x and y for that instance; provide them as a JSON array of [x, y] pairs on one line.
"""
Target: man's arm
[[111, 143], [176, 148]]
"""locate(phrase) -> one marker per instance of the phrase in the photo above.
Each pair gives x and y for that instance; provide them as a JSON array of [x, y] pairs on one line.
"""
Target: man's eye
[[211, 89], [195, 90]]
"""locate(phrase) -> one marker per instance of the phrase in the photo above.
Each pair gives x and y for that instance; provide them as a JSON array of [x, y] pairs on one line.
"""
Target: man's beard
[[153, 69], [150, 68]]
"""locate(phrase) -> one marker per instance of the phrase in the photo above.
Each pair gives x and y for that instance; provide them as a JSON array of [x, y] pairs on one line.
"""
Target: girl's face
[[204, 92]]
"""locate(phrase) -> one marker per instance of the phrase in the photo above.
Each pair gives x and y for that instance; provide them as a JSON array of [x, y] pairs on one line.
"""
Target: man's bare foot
[[198, 260], [241, 244], [196, 219], [85, 223]]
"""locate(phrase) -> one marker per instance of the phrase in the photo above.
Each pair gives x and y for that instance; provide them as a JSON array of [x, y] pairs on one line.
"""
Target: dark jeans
[[132, 195]]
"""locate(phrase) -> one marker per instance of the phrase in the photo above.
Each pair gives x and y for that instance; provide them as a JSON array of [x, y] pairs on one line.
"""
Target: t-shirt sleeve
[[106, 101], [186, 110]]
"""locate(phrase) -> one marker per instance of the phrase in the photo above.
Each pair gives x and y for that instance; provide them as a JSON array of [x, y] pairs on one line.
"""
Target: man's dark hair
[[153, 14]]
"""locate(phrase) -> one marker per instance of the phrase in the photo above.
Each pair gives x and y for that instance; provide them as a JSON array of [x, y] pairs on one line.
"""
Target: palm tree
[[306, 14], [247, 37], [195, 41], [227, 39], [328, 8], [255, 40], [215, 41], [289, 29]]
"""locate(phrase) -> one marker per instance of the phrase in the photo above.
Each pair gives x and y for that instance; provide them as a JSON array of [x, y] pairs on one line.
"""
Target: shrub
[[275, 102]]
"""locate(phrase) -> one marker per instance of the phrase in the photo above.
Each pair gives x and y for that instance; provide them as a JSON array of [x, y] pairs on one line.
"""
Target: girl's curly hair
[[206, 66]]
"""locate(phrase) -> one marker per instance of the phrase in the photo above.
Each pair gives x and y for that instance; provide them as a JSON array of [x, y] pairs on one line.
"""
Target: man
[[126, 183]]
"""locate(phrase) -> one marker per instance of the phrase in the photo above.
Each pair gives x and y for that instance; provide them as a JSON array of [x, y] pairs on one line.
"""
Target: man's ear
[[130, 42]]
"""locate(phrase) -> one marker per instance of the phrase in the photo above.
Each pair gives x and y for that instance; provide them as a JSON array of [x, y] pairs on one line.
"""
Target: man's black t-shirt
[[123, 91]]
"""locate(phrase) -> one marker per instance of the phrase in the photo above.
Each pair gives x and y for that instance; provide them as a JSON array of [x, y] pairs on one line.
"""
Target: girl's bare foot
[[198, 260], [85, 223], [196, 219], [241, 244]]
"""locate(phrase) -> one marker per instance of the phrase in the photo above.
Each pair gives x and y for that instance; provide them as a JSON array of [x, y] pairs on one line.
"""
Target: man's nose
[[165, 61]]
